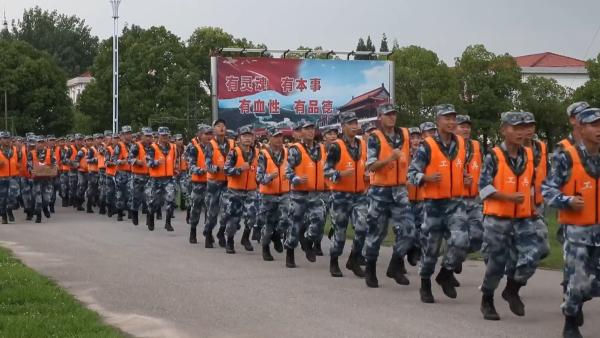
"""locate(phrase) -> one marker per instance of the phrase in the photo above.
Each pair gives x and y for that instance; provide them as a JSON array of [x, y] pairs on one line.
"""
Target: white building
[[567, 71], [77, 85]]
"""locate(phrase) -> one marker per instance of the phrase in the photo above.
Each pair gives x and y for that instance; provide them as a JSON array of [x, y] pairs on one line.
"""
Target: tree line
[[163, 76]]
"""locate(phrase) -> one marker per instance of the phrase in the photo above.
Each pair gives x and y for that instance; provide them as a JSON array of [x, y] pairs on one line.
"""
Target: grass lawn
[[33, 306], [553, 261]]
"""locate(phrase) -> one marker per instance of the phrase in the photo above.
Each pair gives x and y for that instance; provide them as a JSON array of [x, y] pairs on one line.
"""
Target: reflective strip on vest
[[507, 182]]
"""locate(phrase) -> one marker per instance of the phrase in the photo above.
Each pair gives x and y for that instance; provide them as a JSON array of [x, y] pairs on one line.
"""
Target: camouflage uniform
[[138, 182], [82, 178], [474, 208], [442, 218], [159, 190], [7, 197], [581, 244], [64, 178], [197, 189], [214, 193], [541, 228], [307, 209], [121, 181], [41, 188], [92, 191], [26, 185]]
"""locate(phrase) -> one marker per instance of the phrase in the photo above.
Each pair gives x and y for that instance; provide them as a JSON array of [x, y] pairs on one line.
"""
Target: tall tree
[[370, 45], [384, 44], [488, 84], [361, 47], [66, 38], [37, 89], [590, 91]]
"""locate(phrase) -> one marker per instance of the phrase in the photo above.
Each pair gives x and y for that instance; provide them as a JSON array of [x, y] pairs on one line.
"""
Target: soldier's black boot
[[159, 214], [29, 214], [229, 246], [246, 240], [487, 307], [317, 248], [571, 330], [52, 208], [46, 211], [4, 218], [38, 217], [353, 265], [444, 279], [221, 237], [334, 267], [102, 210], [256, 234], [11, 217], [109, 210], [134, 217], [395, 268], [289, 259], [193, 239], [511, 295], [120, 216], [208, 241], [182, 206], [129, 215], [65, 202], [310, 251], [425, 291], [413, 255], [168, 222], [371, 274], [80, 205], [144, 209], [150, 221], [89, 209], [266, 253], [277, 244]]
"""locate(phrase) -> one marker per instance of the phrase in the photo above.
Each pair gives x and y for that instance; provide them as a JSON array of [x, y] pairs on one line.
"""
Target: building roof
[[548, 60], [374, 94]]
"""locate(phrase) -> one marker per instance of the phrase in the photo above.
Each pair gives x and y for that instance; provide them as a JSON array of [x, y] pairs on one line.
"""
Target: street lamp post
[[5, 110], [115, 94]]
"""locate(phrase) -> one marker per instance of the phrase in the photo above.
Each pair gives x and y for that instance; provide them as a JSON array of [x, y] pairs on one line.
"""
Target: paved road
[[155, 284]]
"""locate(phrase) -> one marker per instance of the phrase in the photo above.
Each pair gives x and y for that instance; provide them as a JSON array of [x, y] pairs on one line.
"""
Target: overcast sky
[[444, 26]]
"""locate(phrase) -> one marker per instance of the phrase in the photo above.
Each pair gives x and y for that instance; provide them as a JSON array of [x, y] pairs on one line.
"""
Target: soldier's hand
[[468, 179], [274, 175], [517, 197], [302, 179], [347, 172], [139, 163], [577, 203], [433, 178], [396, 153], [245, 166]]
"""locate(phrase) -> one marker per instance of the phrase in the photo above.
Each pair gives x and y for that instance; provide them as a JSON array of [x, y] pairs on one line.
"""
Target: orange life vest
[[506, 181], [415, 193], [111, 170], [167, 167], [452, 171], [474, 169], [141, 156], [101, 159], [83, 165], [183, 163], [363, 150], [64, 167], [565, 143], [354, 183], [73, 155], [395, 172], [23, 171], [9, 167], [200, 163], [280, 184], [35, 160], [58, 158], [580, 183], [541, 170], [93, 167], [313, 171], [246, 180], [218, 160], [123, 155]]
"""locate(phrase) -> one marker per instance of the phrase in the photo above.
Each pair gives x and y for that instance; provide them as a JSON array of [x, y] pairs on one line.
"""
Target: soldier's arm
[[293, 161], [486, 179], [91, 158], [420, 160], [115, 155], [333, 157], [29, 161], [229, 167], [78, 158], [560, 170], [208, 154], [133, 154], [150, 161], [261, 170]]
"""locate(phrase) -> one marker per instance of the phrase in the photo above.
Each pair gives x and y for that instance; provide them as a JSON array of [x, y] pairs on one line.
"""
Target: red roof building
[[548, 60], [567, 71]]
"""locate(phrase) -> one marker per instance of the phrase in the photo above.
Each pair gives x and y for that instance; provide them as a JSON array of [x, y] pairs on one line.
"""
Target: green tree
[[488, 84], [156, 79], [37, 89], [590, 91], [546, 99], [66, 38], [361, 47], [370, 45], [422, 81], [384, 44]]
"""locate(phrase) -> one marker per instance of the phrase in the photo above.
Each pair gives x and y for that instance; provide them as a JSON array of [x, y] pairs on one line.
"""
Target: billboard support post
[[213, 89]]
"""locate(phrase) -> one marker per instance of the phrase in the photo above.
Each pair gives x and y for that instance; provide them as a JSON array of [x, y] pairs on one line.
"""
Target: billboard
[[269, 91]]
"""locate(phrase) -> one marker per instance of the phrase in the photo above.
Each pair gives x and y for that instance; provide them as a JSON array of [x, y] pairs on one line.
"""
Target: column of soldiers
[[443, 193]]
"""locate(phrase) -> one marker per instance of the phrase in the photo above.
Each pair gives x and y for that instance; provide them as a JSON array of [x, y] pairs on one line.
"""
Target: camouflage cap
[[108, 133], [178, 137], [29, 134], [308, 124], [298, 125], [50, 137], [348, 116], [414, 130], [589, 115], [444, 109], [460, 119], [330, 128], [425, 126], [147, 131], [204, 128], [274, 131], [4, 134], [217, 121], [88, 137], [164, 131], [78, 136], [126, 129], [576, 108], [244, 130], [512, 118], [98, 135], [528, 117], [368, 126], [385, 109]]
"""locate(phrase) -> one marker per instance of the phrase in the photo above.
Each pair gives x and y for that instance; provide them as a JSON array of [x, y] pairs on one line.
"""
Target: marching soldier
[[55, 148], [428, 129], [93, 159], [41, 186], [345, 169], [572, 188], [161, 159], [120, 158], [183, 179], [25, 176], [9, 170], [111, 173], [139, 173], [240, 169], [215, 154], [273, 187], [83, 170], [388, 153], [415, 196], [509, 240], [71, 154], [306, 161], [439, 167], [64, 171], [197, 160], [102, 172]]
